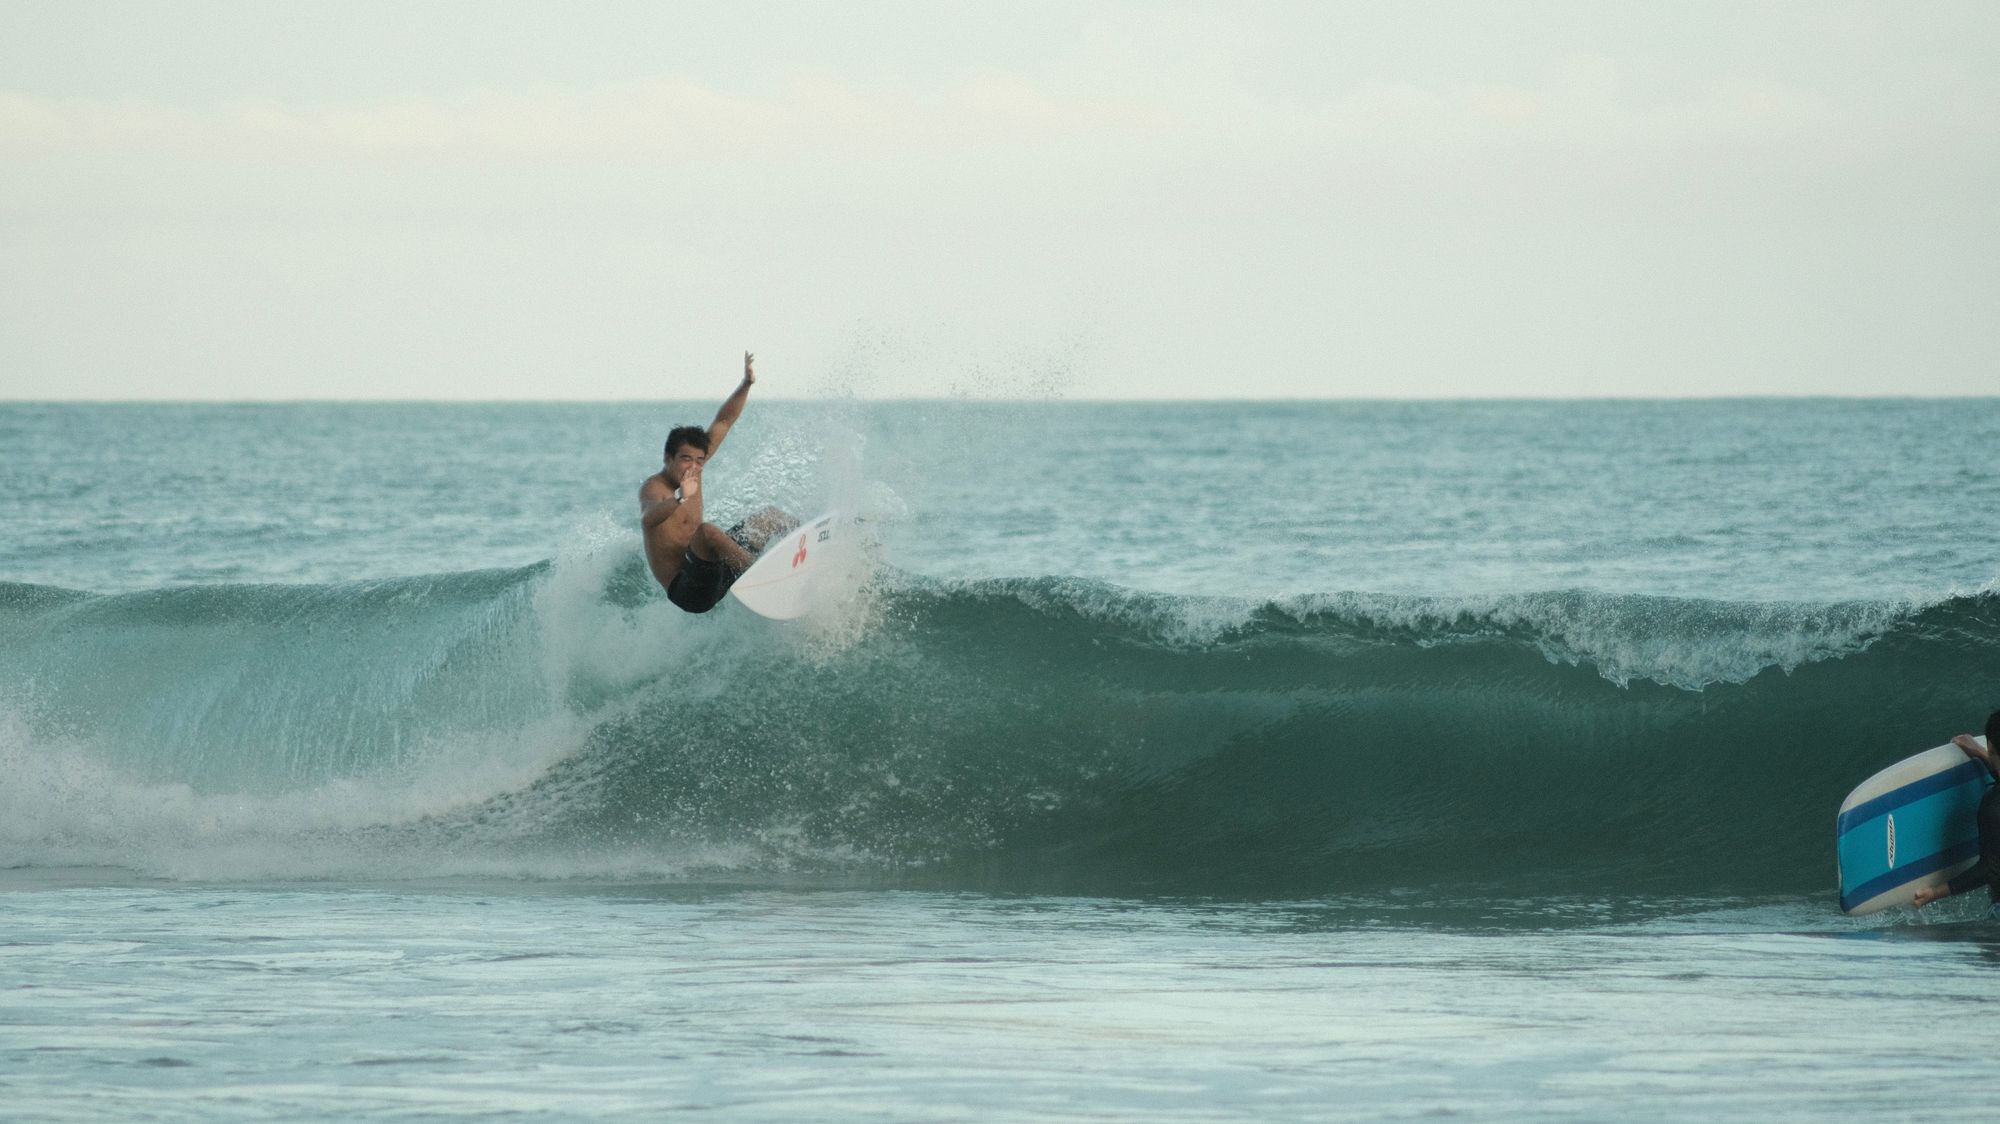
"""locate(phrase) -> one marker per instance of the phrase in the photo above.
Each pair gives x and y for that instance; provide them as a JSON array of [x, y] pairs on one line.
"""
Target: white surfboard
[[1911, 826], [801, 569]]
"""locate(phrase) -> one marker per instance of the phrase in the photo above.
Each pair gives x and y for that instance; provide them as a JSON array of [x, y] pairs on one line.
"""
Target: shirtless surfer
[[696, 562]]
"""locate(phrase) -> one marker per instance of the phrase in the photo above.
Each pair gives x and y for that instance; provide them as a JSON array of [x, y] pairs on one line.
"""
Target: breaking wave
[[561, 720]]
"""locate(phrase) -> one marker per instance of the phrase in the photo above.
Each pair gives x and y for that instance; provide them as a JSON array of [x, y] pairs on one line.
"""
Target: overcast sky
[[1074, 199]]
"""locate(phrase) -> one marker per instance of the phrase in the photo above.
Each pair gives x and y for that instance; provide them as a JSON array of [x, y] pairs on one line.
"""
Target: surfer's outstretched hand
[[1926, 896], [749, 376]]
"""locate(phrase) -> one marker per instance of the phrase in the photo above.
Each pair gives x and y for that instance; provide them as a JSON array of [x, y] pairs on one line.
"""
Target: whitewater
[[1186, 761]]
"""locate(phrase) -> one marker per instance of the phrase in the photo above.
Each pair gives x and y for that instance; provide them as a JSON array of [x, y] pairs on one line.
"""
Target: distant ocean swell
[[1040, 734]]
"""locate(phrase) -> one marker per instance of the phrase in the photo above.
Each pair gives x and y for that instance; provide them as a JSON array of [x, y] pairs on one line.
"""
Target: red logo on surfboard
[[801, 555]]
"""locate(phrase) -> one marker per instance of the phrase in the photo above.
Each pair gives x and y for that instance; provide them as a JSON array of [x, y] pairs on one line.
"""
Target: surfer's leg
[[711, 545], [758, 529]]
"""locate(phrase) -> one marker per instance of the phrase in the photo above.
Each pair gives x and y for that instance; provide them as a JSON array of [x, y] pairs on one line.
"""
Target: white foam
[[1679, 642], [65, 804], [1190, 622], [1676, 642]]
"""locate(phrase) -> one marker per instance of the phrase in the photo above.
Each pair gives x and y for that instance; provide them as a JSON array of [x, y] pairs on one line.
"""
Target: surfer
[[1985, 872], [696, 562]]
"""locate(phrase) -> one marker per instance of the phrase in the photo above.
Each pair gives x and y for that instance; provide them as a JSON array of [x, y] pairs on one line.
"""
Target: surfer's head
[[686, 435], [1993, 730], [687, 445]]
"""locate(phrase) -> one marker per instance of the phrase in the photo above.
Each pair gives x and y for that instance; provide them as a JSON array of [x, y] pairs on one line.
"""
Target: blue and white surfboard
[[1912, 825]]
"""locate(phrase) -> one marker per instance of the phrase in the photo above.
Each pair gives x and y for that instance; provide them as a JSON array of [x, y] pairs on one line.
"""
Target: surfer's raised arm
[[732, 407]]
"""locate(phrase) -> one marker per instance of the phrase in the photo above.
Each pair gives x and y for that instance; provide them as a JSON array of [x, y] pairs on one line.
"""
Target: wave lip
[[1678, 642]]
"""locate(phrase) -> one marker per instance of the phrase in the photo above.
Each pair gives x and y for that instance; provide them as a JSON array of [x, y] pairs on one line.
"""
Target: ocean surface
[[1218, 761]]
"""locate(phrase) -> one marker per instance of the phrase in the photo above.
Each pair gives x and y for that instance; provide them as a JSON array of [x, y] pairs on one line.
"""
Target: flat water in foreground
[[169, 1001]]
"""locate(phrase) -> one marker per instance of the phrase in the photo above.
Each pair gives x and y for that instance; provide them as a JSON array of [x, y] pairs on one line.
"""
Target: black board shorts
[[701, 584]]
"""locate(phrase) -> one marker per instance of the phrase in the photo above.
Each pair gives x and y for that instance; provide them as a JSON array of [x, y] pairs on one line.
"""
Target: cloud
[[662, 118], [670, 118], [1583, 105]]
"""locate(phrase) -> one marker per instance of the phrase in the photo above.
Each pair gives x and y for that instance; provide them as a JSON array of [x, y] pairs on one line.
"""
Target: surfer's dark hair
[[1993, 730], [686, 435]]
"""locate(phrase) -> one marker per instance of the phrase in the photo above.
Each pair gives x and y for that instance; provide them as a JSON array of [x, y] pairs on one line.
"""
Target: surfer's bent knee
[[705, 542]]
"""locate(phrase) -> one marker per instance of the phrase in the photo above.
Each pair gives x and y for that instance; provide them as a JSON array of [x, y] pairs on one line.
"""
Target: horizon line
[[945, 399]]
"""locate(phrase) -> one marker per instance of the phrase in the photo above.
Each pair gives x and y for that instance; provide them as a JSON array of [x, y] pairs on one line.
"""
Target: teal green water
[[1759, 500], [1173, 761], [560, 1001]]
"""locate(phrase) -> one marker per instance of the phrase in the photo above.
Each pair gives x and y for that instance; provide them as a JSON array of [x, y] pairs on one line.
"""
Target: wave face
[[1038, 734]]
